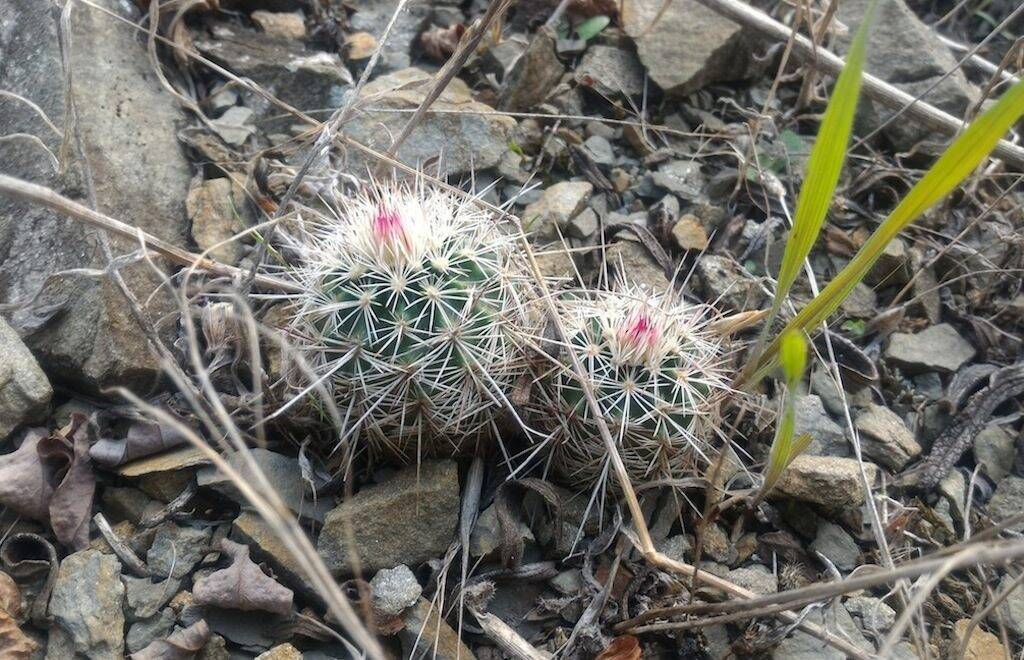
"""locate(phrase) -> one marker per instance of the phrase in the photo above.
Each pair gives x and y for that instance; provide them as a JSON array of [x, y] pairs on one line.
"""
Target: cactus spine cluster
[[410, 309], [658, 374]]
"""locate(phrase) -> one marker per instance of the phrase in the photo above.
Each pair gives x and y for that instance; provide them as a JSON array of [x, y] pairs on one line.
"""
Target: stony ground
[[635, 141]]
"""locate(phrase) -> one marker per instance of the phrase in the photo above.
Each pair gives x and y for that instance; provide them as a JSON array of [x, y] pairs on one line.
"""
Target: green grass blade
[[821, 174], [949, 171], [785, 448], [825, 162]]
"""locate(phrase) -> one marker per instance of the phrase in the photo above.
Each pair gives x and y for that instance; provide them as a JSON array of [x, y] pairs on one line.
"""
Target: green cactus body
[[411, 309], [658, 376]]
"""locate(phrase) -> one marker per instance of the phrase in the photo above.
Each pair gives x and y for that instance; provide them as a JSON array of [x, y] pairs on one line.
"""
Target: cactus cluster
[[414, 311], [658, 373], [410, 307]]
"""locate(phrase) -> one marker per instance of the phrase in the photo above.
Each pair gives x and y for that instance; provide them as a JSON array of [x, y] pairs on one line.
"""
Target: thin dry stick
[[36, 194], [874, 87]]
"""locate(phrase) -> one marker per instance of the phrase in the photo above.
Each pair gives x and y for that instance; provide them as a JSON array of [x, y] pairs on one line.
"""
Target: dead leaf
[[14, 644], [142, 439], [25, 480], [589, 8], [242, 585], [624, 647], [439, 43], [74, 483], [182, 644]]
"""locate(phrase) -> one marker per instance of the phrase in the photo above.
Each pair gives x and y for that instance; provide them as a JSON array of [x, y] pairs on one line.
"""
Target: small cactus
[[410, 306], [658, 374]]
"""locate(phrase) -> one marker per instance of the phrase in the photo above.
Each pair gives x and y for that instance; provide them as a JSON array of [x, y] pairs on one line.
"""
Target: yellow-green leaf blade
[[956, 164]]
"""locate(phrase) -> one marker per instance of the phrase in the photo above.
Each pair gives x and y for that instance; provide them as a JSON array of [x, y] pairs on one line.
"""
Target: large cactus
[[658, 374], [410, 308]]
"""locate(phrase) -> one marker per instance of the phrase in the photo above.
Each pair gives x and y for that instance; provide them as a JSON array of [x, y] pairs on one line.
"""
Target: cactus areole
[[409, 310]]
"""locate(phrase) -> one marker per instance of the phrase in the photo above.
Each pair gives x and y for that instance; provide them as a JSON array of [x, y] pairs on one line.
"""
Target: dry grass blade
[[948, 172], [822, 173]]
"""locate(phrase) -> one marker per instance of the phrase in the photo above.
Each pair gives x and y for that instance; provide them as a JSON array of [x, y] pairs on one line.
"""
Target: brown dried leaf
[[439, 43], [242, 585], [182, 644], [360, 46], [143, 439], [624, 647], [589, 8], [70, 506], [25, 480], [14, 644]]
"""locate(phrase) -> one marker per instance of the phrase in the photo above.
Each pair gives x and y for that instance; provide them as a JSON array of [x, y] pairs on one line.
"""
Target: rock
[[218, 210], [534, 75], [938, 348], [305, 79], [250, 529], [86, 607], [982, 645], [373, 16], [407, 519], [235, 126], [129, 504], [141, 633], [465, 139], [827, 437], [756, 578], [837, 546], [892, 267], [288, 25], [610, 71], [558, 205], [994, 450], [896, 31], [394, 590], [599, 150], [175, 460], [486, 535], [282, 472], [689, 46], [585, 224], [499, 58], [885, 438], [281, 652], [81, 330], [144, 598], [631, 262], [715, 544], [724, 283], [1011, 611], [24, 390], [689, 234], [831, 483], [555, 262], [872, 614], [682, 177], [176, 550], [862, 303], [426, 634], [801, 646], [1008, 501]]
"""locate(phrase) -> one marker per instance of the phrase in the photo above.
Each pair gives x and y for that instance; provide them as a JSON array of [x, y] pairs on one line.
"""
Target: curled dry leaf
[[624, 647], [25, 480], [588, 8], [74, 484], [49, 478], [143, 439], [27, 557], [182, 644], [439, 43], [242, 585], [14, 644]]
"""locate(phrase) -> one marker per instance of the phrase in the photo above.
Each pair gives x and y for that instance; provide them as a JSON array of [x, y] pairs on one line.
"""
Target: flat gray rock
[[406, 519], [24, 389], [938, 348], [86, 607]]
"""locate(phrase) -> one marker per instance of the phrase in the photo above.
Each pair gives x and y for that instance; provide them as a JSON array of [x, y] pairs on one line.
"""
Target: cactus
[[410, 308], [658, 374]]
